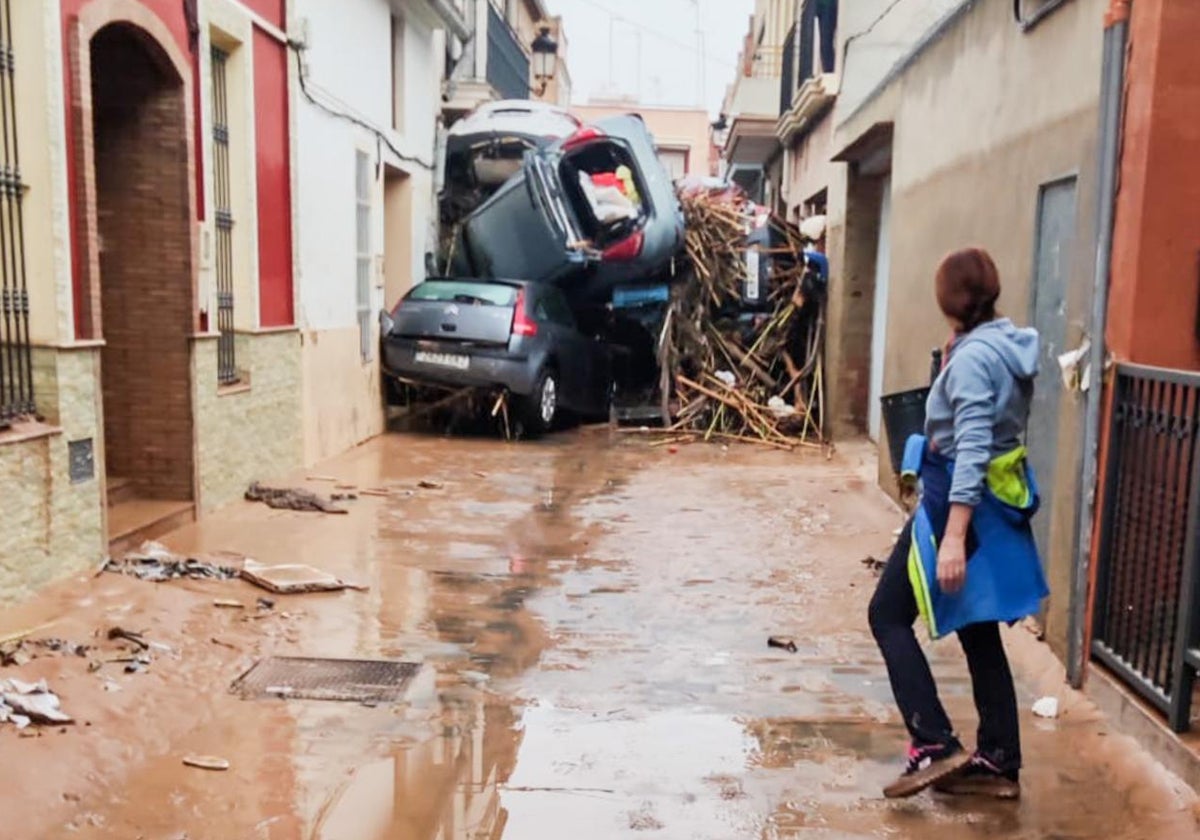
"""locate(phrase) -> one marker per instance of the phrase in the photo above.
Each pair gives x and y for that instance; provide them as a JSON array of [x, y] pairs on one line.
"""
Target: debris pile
[[743, 340], [291, 498], [19, 651], [155, 562]]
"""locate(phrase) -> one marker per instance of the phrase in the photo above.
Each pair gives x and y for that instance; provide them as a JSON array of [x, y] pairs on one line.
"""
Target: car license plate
[[450, 360]]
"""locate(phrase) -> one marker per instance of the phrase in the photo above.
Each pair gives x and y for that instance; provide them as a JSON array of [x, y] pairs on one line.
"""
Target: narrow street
[[592, 615]]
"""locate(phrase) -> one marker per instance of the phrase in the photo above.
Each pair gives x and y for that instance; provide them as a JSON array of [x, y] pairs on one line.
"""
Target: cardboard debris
[[291, 578]]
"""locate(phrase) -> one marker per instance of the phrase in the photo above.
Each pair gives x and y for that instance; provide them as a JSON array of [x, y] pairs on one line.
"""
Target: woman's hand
[[952, 563]]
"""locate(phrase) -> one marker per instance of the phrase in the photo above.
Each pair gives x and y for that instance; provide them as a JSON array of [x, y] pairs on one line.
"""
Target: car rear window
[[465, 291]]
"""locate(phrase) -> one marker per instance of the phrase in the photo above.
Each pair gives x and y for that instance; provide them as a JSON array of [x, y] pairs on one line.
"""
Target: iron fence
[[1147, 611], [223, 220], [16, 352], [507, 62]]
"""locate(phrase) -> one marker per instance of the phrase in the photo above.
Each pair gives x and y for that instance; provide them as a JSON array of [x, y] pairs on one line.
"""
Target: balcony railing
[[810, 49], [507, 62]]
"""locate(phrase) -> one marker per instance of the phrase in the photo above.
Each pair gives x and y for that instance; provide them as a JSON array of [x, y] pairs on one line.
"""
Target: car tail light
[[583, 135], [522, 324], [629, 248]]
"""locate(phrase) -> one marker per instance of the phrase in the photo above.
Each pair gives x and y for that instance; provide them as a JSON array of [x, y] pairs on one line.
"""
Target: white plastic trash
[[1046, 707]]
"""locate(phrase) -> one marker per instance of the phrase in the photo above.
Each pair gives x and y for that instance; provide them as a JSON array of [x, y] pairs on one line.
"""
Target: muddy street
[[590, 615]]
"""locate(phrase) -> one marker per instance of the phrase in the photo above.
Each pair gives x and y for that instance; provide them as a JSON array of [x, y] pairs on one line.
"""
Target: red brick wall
[[141, 168]]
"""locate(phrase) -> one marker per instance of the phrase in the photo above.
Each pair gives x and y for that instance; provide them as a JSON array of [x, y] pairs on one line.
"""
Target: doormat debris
[[309, 678], [291, 498], [291, 578]]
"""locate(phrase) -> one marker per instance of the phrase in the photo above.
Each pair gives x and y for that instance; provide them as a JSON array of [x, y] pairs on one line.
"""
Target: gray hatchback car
[[509, 334]]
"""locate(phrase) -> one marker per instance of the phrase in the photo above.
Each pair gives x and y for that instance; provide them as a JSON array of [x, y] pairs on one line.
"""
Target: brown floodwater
[[590, 614]]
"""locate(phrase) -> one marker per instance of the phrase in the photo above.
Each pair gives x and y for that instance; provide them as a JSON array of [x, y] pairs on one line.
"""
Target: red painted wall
[[269, 10], [170, 12], [276, 303], [1155, 291]]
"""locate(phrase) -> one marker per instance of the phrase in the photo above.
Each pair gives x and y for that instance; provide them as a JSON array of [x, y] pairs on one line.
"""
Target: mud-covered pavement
[[591, 614]]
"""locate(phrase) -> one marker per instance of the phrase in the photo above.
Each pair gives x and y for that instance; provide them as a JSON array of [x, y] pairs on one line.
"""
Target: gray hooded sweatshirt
[[979, 404]]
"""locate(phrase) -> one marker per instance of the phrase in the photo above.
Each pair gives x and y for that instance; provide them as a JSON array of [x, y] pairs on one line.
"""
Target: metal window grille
[[507, 63], [223, 219], [1147, 609], [16, 353], [362, 226]]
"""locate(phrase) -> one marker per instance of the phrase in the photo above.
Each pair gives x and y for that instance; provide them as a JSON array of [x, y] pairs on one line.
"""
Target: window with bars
[[16, 351], [362, 230], [227, 373]]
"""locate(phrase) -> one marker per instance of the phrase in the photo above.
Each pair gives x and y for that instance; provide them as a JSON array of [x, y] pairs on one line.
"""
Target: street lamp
[[545, 59]]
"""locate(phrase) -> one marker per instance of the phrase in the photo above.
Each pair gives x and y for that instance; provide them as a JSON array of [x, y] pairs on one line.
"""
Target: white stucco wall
[[348, 69], [348, 64], [874, 36]]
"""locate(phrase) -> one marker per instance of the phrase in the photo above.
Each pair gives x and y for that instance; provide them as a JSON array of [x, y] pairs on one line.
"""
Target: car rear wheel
[[540, 409]]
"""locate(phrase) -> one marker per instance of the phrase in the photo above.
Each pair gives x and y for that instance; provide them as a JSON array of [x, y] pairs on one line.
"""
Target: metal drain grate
[[353, 680]]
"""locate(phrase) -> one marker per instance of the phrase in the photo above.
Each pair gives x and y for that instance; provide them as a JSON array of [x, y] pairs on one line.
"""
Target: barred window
[[227, 373]]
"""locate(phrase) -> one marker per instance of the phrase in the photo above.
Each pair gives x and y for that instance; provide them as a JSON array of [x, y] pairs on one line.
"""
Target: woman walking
[[966, 559]]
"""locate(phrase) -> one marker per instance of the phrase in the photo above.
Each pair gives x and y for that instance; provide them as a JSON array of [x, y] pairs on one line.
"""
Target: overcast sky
[[650, 49]]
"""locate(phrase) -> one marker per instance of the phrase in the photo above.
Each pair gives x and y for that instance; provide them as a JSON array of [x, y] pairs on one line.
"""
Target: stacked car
[[544, 220]]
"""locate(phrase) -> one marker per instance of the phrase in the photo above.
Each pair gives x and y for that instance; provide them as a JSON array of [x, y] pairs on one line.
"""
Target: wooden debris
[[206, 762], [737, 376]]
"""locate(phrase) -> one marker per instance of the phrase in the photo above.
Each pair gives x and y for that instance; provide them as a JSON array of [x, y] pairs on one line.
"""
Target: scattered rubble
[[157, 563], [874, 564], [291, 498], [23, 703], [20, 651], [784, 642], [206, 762], [429, 484]]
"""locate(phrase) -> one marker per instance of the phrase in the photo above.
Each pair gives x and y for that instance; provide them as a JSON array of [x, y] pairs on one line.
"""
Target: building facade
[[955, 140], [751, 154], [366, 152], [682, 136], [160, 369], [493, 58]]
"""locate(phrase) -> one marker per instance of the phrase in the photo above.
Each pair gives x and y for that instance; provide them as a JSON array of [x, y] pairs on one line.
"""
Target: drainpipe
[[1112, 90]]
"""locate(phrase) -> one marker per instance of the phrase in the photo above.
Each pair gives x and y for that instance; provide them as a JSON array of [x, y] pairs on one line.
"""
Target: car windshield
[[465, 291]]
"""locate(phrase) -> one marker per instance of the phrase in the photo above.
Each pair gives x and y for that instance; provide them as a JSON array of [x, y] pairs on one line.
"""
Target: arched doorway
[[143, 240]]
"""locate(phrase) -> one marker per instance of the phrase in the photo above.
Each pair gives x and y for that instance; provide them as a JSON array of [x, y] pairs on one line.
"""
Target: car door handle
[[449, 327]]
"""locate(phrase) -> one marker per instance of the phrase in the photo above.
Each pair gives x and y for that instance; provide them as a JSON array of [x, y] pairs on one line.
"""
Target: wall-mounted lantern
[[545, 59]]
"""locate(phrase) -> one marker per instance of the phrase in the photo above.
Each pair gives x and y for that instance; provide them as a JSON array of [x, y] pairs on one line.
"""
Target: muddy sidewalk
[[590, 616]]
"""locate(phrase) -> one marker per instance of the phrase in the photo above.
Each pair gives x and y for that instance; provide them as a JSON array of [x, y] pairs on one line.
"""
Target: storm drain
[[307, 678]]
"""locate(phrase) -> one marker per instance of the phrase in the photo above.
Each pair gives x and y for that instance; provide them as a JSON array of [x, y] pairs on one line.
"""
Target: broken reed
[[778, 355]]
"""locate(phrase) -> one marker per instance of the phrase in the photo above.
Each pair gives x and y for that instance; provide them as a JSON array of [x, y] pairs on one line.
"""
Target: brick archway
[[136, 237], [166, 53]]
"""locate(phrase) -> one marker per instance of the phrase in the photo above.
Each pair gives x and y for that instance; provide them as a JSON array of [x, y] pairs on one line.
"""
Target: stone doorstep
[[1132, 716]]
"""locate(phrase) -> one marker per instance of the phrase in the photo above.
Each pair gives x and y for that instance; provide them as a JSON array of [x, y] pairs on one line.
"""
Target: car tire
[[540, 410]]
